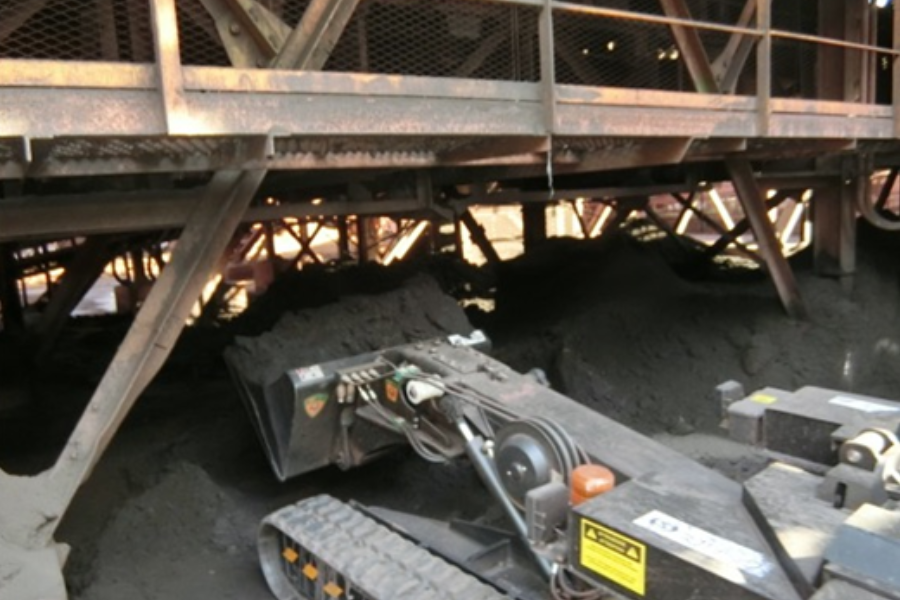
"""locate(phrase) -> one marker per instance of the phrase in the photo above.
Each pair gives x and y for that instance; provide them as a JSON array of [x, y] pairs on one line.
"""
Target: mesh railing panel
[[464, 38], [90, 30], [601, 51], [476, 40]]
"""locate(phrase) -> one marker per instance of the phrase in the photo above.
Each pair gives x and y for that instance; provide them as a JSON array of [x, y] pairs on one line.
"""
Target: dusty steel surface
[[605, 73], [474, 91]]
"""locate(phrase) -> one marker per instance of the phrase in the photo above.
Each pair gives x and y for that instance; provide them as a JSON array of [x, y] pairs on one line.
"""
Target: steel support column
[[168, 62], [81, 273], [895, 70], [534, 225], [764, 67], [31, 508], [754, 204], [10, 300], [834, 225], [343, 238]]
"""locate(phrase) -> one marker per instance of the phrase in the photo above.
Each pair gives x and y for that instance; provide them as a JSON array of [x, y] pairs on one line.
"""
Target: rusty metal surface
[[467, 77], [511, 88]]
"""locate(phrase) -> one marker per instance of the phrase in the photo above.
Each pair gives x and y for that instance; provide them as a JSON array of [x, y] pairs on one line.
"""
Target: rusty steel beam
[[310, 44], [33, 507], [547, 50], [752, 201], [534, 225], [895, 69], [479, 237], [644, 153], [155, 330], [764, 68], [731, 61], [168, 63], [235, 102], [488, 46], [81, 272], [834, 220], [10, 300], [688, 205], [249, 32], [691, 46], [743, 226], [886, 188], [494, 148], [109, 212]]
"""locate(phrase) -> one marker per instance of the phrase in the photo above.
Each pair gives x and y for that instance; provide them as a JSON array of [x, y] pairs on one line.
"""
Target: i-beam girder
[[34, 506]]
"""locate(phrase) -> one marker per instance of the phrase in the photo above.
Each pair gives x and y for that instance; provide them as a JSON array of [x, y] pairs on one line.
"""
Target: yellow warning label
[[764, 398], [614, 556]]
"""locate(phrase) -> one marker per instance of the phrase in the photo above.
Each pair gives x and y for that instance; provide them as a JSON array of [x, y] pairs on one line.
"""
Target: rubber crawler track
[[375, 562]]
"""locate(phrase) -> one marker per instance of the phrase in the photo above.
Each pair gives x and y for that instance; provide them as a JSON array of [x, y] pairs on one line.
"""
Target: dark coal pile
[[622, 333], [417, 310], [179, 539], [171, 511]]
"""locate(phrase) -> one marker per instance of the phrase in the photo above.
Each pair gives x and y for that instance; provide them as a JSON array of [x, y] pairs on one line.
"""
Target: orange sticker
[[311, 572], [333, 589], [314, 404], [290, 555], [391, 390]]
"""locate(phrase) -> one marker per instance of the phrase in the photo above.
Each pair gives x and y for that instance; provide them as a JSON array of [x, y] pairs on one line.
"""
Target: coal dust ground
[[172, 509]]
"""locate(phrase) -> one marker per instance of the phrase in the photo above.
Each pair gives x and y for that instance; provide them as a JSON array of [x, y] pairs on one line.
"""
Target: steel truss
[[274, 110]]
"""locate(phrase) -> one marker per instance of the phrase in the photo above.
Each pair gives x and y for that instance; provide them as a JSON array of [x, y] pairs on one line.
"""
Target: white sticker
[[863, 405], [743, 558], [307, 374], [477, 337]]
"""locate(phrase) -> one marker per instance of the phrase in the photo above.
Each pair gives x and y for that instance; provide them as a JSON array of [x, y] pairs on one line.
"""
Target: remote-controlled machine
[[592, 509]]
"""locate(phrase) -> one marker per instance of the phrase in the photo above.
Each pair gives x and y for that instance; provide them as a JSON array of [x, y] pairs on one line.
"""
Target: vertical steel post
[[764, 66], [895, 70], [13, 320], [343, 238], [168, 63], [534, 225], [548, 67]]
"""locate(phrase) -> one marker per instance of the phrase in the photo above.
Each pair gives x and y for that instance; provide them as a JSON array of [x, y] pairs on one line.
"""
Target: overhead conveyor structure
[[198, 118]]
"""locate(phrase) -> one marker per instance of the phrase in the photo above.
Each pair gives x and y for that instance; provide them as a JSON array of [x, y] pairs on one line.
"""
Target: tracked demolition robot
[[594, 510]]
